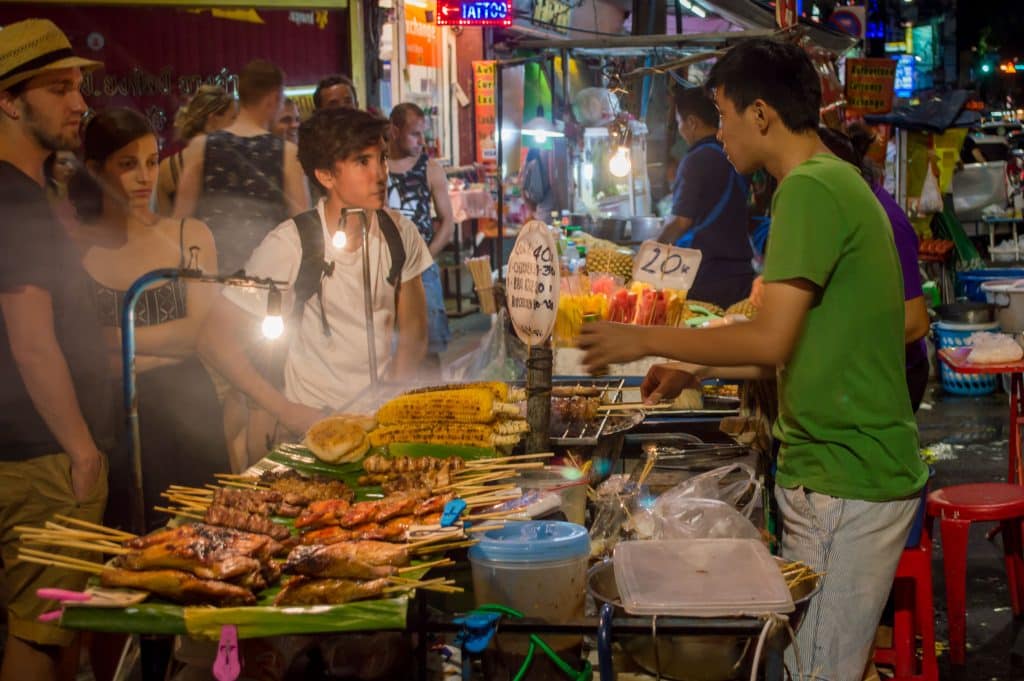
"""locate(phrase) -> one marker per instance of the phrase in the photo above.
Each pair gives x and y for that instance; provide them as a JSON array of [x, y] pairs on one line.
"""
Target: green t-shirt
[[845, 422]]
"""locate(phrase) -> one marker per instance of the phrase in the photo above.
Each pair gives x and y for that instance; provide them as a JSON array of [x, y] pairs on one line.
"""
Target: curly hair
[[332, 135], [209, 100]]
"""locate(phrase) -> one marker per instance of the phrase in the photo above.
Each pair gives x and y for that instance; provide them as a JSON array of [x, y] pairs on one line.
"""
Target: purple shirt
[[906, 247]]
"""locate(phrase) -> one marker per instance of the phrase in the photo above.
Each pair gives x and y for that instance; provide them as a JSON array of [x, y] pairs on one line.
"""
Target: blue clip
[[478, 628], [452, 510]]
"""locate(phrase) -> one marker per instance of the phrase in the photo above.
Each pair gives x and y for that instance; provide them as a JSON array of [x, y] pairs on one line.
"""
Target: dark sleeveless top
[[242, 196], [158, 305], [409, 194]]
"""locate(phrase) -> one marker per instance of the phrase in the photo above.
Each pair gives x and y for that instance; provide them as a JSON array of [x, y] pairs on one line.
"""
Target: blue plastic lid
[[532, 541]]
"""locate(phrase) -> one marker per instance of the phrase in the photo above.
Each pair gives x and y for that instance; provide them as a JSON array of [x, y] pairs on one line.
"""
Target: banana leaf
[[252, 622]]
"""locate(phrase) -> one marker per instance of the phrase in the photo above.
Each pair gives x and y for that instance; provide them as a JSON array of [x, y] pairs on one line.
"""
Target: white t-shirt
[[328, 371]]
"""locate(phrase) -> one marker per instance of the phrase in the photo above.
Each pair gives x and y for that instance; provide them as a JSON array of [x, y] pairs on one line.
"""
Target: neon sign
[[474, 13]]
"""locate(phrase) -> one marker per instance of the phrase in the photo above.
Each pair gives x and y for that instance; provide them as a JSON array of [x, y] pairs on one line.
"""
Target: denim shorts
[[438, 333]]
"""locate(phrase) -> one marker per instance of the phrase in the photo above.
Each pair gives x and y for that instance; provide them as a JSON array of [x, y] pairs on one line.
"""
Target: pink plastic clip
[[50, 616], [63, 595], [227, 666]]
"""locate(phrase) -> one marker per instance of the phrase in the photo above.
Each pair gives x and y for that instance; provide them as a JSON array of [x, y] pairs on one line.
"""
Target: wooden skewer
[[439, 584], [491, 499], [446, 547], [59, 564], [78, 563], [54, 530], [484, 528], [241, 485], [426, 542], [50, 525], [178, 512], [497, 515], [477, 490], [426, 566], [519, 457], [193, 491], [185, 502], [94, 526], [236, 476], [85, 546], [480, 478]]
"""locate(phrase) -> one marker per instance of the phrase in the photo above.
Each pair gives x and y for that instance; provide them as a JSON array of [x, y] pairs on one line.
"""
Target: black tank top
[[409, 194], [242, 196]]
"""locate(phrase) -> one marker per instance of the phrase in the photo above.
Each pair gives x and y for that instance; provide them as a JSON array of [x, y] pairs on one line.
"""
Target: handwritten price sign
[[664, 266], [532, 283]]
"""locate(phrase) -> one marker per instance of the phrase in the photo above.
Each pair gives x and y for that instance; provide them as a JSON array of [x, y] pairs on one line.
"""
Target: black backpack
[[313, 267]]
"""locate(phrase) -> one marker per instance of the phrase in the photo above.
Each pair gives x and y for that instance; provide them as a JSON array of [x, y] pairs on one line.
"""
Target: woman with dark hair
[[853, 147], [121, 239]]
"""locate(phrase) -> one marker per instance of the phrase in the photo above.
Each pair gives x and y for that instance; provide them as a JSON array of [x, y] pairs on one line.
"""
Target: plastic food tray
[[700, 578]]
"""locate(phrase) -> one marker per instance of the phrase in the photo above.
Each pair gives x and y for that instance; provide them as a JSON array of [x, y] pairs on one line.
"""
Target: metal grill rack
[[587, 433]]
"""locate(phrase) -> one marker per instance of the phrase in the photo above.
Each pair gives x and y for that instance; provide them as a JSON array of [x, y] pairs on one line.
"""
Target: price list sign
[[532, 283]]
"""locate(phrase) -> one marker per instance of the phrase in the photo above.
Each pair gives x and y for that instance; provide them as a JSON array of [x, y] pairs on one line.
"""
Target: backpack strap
[[393, 238], [312, 267]]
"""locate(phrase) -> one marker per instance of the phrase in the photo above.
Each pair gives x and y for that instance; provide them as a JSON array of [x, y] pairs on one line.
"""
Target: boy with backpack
[[325, 365]]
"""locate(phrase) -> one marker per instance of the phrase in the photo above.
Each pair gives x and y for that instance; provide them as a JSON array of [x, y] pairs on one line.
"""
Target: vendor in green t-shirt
[[831, 329]]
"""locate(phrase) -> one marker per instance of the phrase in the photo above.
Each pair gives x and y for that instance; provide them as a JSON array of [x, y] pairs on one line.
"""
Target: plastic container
[[570, 484], [968, 284], [949, 335], [709, 578], [539, 568], [1008, 297]]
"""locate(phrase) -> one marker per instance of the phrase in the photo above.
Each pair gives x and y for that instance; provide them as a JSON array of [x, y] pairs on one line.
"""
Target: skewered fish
[[178, 586], [305, 591], [359, 559]]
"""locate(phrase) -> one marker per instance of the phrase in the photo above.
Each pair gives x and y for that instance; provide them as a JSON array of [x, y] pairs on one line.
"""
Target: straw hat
[[34, 46]]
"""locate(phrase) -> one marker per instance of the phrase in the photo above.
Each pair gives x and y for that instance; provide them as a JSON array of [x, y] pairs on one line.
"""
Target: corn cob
[[502, 391], [470, 434], [467, 405], [511, 427]]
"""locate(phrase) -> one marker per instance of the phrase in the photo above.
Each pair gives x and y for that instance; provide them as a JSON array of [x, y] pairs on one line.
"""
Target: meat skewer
[[179, 586], [238, 519], [306, 591], [362, 559]]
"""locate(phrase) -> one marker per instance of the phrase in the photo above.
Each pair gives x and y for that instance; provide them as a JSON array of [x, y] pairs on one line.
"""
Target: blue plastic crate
[[949, 335]]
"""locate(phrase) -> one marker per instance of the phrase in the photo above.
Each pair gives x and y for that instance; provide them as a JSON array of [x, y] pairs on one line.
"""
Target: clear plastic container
[[537, 567], [700, 578], [567, 481]]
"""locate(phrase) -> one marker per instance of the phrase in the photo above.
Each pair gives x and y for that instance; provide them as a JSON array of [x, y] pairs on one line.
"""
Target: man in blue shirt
[[709, 205]]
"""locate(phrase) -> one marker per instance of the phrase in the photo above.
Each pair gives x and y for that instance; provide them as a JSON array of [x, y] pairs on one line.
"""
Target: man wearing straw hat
[[52, 362]]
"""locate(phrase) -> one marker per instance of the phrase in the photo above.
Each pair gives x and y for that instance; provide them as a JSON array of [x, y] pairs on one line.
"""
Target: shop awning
[[935, 115], [751, 14]]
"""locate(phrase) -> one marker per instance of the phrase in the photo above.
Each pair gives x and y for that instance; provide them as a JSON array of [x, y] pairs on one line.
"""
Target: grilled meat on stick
[[305, 591], [178, 586], [339, 512], [225, 516], [394, 530], [314, 489], [260, 501], [358, 559], [376, 463], [207, 540]]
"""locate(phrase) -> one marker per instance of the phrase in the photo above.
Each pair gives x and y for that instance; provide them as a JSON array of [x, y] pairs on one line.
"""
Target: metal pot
[[611, 229], [1007, 297], [687, 658], [643, 228], [967, 313]]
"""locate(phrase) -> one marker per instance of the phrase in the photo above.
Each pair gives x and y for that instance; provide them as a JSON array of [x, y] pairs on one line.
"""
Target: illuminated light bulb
[[339, 239], [273, 323], [273, 327], [618, 164]]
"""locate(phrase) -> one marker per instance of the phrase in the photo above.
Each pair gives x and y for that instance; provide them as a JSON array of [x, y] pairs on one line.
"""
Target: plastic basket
[[949, 335], [968, 283]]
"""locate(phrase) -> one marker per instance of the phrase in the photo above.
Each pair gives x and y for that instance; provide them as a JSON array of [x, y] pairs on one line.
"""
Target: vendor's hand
[[85, 473], [666, 381], [757, 292], [297, 418], [605, 343]]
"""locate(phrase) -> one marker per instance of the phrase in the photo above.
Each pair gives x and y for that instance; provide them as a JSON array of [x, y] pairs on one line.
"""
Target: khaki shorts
[[31, 492]]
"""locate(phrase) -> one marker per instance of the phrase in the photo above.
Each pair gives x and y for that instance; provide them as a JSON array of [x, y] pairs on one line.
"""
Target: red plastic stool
[[957, 507], [914, 616]]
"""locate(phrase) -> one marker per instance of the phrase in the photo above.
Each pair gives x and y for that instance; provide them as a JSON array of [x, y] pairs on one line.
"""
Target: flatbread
[[336, 439]]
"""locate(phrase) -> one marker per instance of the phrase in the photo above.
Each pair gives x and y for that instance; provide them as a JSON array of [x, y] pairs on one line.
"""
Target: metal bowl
[[688, 658], [643, 228], [966, 313]]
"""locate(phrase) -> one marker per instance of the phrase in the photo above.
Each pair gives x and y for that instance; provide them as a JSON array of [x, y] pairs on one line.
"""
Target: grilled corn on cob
[[471, 434], [502, 391], [466, 405]]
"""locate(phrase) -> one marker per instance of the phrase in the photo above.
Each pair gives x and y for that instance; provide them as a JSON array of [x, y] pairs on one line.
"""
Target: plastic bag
[[694, 518], [931, 197], [493, 360], [740, 494]]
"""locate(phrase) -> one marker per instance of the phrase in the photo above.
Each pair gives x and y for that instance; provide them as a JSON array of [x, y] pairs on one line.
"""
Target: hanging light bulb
[[339, 239], [273, 324], [619, 164]]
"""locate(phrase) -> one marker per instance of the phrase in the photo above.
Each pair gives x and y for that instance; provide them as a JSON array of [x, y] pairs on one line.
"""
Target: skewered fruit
[[467, 405]]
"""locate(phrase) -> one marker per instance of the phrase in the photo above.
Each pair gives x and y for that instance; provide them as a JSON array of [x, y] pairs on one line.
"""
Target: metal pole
[[499, 249], [570, 174], [131, 403], [371, 336]]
